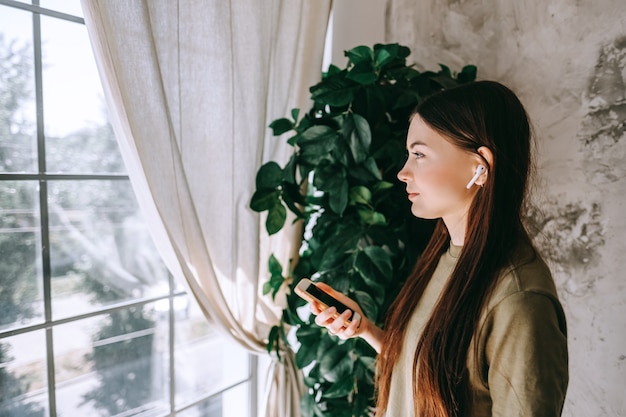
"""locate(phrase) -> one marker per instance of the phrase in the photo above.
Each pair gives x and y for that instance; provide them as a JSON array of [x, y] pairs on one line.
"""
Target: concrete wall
[[567, 61], [354, 23]]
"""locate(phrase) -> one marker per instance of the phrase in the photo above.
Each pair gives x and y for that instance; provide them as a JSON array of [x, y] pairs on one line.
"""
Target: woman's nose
[[403, 174]]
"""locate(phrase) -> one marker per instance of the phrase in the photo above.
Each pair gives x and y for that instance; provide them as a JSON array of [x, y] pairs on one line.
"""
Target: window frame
[[43, 178]]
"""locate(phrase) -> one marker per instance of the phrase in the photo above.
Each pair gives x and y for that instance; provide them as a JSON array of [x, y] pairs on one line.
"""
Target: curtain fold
[[191, 87]]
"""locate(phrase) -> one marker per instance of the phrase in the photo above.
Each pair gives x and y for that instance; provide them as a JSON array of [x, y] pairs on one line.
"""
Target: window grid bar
[[253, 393], [59, 177], [43, 211], [36, 9], [172, 335], [99, 312], [214, 394]]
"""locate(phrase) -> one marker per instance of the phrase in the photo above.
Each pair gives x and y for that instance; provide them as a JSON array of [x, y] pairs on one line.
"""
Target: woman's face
[[436, 173]]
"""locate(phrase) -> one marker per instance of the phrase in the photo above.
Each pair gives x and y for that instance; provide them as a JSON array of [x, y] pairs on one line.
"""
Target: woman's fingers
[[326, 317], [339, 323], [345, 325], [352, 329], [315, 309]]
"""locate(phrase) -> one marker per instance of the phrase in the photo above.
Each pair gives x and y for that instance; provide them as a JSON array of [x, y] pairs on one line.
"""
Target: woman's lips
[[413, 195]]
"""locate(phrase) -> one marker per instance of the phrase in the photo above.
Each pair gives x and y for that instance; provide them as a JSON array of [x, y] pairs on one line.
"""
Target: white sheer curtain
[[191, 87]]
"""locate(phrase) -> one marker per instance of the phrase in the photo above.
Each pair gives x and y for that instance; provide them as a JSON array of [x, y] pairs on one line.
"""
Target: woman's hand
[[359, 325]]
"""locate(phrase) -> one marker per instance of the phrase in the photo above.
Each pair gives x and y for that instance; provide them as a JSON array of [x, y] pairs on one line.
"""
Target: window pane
[[21, 293], [206, 362], [23, 387], [112, 364], [125, 361], [100, 250], [231, 403], [79, 138], [64, 6], [209, 408], [235, 401], [17, 98]]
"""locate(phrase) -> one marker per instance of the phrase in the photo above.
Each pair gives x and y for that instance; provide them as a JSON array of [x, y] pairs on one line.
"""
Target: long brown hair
[[483, 113]]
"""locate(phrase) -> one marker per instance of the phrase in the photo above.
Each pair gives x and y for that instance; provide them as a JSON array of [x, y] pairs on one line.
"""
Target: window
[[91, 323]]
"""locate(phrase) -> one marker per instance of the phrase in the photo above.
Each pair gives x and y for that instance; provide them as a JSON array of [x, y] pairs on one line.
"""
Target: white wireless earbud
[[479, 170]]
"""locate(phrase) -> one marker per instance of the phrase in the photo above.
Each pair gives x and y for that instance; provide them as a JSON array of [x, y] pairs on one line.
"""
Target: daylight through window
[[91, 322]]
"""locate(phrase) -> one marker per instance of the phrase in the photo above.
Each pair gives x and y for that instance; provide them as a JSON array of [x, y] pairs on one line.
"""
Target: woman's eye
[[417, 155]]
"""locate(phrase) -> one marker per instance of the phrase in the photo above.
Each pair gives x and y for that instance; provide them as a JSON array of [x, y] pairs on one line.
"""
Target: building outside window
[[91, 322]]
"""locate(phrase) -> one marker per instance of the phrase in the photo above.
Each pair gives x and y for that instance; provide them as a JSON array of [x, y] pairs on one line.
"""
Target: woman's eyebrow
[[416, 143]]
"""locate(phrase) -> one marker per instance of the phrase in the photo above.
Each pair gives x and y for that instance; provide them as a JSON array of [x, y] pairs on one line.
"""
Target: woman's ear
[[487, 156]]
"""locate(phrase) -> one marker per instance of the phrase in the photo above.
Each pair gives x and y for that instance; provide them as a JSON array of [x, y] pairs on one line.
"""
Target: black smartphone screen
[[326, 298]]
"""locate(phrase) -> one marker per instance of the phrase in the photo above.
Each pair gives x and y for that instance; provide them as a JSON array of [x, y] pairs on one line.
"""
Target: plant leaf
[[289, 172], [372, 168], [340, 153], [333, 91], [308, 406], [305, 355], [403, 51], [335, 364], [467, 74], [361, 405], [272, 340], [293, 140], [264, 199], [376, 289], [280, 126], [290, 314], [382, 186], [270, 175], [375, 102], [275, 218], [360, 54], [381, 259], [367, 304], [273, 285], [373, 264], [338, 199], [363, 73], [331, 178], [385, 53], [445, 70], [328, 176], [360, 139], [332, 69], [371, 216], [336, 247], [369, 362], [360, 195], [444, 80], [274, 266], [316, 144], [308, 336], [407, 99], [291, 196], [341, 388]]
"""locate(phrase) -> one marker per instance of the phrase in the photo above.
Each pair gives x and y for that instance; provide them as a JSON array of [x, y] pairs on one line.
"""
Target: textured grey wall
[[567, 61]]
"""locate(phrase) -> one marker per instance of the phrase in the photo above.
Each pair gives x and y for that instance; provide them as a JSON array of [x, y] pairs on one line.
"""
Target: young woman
[[477, 329]]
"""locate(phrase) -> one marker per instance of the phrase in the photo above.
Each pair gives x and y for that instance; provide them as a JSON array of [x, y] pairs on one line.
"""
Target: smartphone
[[310, 292]]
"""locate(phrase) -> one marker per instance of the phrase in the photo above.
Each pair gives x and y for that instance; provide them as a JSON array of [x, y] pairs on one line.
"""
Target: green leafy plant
[[359, 236]]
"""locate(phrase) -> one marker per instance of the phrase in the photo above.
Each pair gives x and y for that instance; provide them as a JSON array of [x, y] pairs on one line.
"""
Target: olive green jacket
[[517, 361]]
